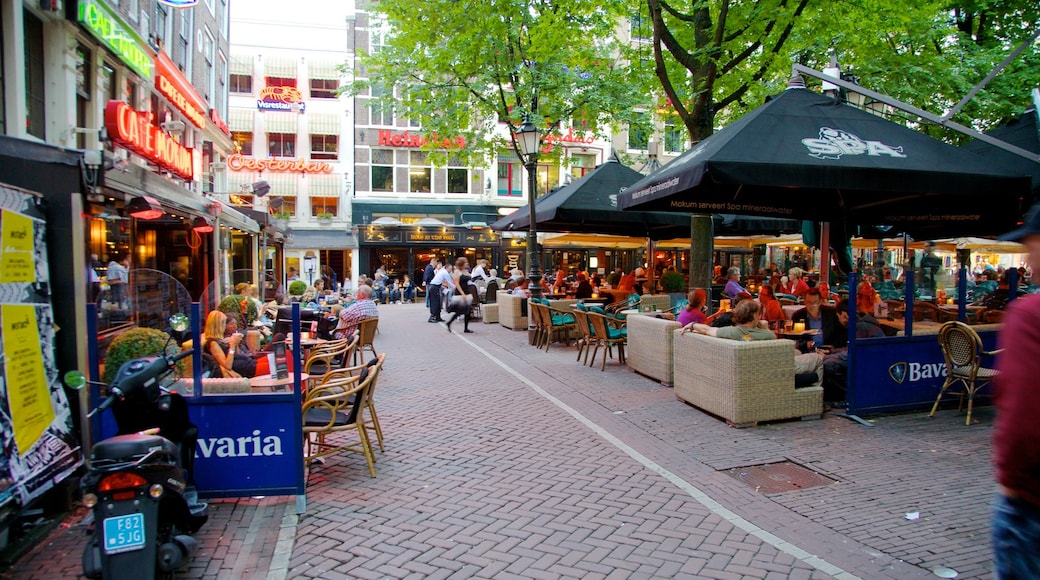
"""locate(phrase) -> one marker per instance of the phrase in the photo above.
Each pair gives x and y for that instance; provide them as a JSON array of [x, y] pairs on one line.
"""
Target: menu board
[[40, 447]]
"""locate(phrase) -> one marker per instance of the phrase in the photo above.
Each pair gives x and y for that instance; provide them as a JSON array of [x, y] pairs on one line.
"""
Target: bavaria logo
[[833, 143], [915, 371], [897, 372]]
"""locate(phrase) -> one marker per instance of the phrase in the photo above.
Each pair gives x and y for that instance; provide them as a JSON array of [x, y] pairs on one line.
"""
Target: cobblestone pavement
[[505, 461]]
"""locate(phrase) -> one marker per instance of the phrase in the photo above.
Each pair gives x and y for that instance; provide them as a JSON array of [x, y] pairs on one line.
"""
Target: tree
[[462, 67]]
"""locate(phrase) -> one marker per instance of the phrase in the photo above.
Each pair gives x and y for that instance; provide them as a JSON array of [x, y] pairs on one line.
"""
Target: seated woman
[[584, 288], [771, 310], [694, 311], [228, 352]]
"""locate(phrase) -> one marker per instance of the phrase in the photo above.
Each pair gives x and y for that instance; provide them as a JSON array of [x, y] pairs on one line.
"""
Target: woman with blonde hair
[[228, 352]]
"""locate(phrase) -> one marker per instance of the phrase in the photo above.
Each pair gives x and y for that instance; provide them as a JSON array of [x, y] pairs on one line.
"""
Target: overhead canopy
[[808, 156], [594, 241], [589, 205], [1022, 132]]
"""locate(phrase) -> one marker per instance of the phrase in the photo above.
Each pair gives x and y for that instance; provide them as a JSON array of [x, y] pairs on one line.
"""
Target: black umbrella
[[803, 155], [589, 205], [1021, 132]]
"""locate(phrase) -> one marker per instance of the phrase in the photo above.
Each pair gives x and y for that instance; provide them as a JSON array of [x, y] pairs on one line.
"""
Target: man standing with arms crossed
[[435, 289], [1016, 432]]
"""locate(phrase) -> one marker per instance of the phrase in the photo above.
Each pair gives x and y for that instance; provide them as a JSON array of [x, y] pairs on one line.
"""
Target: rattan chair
[[561, 322], [333, 410], [962, 349], [606, 332], [539, 314], [372, 422], [366, 336], [584, 332]]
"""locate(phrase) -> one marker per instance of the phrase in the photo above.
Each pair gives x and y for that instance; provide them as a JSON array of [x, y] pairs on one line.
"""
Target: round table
[[275, 384]]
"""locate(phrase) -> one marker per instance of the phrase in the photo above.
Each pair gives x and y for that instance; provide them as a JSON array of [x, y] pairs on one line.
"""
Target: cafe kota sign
[[239, 162], [134, 131], [105, 24], [172, 84]]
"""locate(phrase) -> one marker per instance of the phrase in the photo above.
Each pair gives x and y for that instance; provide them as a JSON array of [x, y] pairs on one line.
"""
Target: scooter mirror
[[179, 322], [75, 380]]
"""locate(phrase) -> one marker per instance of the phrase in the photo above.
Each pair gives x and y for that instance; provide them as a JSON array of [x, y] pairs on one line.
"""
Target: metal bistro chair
[[962, 349], [333, 410]]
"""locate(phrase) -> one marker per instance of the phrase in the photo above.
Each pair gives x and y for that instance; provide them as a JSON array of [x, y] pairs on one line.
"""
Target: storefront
[[406, 249]]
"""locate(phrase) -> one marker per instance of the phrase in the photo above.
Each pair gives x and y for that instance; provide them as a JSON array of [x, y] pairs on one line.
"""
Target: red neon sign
[[408, 139], [134, 131], [239, 162], [172, 84], [213, 116]]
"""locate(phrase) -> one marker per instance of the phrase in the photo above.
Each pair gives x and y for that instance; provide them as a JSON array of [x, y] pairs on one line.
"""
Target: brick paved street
[[504, 461]]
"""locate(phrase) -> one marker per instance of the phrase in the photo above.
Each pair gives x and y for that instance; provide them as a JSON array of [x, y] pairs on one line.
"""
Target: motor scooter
[[139, 485]]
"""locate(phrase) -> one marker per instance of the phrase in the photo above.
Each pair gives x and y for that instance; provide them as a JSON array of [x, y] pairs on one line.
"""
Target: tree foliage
[[717, 59], [462, 67]]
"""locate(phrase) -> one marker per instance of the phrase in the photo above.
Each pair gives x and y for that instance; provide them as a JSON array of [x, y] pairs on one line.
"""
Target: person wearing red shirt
[[1016, 432], [795, 285]]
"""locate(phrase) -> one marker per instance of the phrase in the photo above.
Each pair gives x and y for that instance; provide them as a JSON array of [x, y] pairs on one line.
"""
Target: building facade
[[292, 129]]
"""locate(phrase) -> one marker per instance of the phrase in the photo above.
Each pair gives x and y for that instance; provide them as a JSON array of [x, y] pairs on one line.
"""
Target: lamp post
[[528, 139]]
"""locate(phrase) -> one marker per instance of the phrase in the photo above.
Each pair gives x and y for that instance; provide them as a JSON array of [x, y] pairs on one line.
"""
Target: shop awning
[[323, 124], [322, 239], [280, 122], [241, 64], [139, 181], [280, 67], [241, 120], [323, 69]]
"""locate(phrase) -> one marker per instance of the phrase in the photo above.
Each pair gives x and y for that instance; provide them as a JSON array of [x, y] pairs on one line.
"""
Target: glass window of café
[[458, 176], [324, 206], [419, 172], [382, 170]]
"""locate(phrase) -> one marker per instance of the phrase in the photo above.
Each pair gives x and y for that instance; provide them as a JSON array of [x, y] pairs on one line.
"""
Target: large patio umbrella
[[1022, 132], [807, 156], [589, 205]]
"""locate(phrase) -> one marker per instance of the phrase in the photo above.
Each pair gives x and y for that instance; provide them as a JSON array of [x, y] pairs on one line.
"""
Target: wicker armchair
[[743, 382], [650, 346], [962, 350], [512, 311]]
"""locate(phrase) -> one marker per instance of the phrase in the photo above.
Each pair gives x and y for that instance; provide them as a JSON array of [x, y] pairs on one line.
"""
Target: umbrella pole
[[702, 240], [825, 255]]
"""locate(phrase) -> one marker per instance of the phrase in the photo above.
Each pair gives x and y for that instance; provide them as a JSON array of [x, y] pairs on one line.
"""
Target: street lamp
[[528, 139]]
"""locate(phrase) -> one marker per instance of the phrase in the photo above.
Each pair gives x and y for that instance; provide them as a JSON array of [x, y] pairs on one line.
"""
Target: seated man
[[836, 362], [747, 316], [822, 319], [351, 316]]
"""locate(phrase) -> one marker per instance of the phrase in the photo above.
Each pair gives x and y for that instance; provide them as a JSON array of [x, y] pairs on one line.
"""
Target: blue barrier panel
[[898, 373]]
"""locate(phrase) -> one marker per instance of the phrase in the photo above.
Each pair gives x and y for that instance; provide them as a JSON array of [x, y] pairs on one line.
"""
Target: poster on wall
[[40, 447]]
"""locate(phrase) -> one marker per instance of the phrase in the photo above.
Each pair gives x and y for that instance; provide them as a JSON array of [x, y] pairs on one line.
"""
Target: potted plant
[[135, 343], [242, 308], [324, 218], [297, 288], [674, 284], [281, 218]]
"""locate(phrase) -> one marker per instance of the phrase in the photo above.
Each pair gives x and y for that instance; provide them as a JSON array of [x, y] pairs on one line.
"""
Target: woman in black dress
[[461, 303]]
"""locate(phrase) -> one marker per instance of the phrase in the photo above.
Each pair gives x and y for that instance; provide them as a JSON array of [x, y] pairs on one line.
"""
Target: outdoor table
[[797, 335], [968, 307], [266, 381]]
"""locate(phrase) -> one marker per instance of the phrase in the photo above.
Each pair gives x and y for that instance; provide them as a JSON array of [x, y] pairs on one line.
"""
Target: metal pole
[[534, 266]]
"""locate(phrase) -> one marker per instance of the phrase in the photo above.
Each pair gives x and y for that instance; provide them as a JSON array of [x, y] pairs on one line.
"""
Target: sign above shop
[[432, 236], [134, 131], [172, 84], [281, 99], [407, 139], [239, 162], [213, 116], [105, 24]]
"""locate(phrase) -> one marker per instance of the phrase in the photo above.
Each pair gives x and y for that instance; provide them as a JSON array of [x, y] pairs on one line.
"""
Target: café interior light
[[202, 225], [144, 208]]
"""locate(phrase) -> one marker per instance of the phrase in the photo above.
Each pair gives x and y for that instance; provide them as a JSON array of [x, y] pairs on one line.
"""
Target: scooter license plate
[[123, 533]]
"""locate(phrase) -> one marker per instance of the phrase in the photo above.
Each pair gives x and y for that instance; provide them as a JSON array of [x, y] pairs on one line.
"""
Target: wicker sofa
[[743, 382], [649, 349], [659, 301], [509, 311]]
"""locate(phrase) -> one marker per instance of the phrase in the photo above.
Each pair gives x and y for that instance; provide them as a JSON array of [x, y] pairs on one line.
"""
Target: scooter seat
[[126, 447]]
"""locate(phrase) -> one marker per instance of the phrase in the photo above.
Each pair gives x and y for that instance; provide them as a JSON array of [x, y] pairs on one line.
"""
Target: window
[[182, 50], [458, 176], [34, 86], [382, 170], [324, 88], [162, 20], [130, 8], [322, 206], [548, 177], [83, 90], [283, 205], [674, 137], [243, 142], [378, 34], [241, 69], [209, 57], [420, 174], [280, 82], [382, 114], [324, 147], [509, 178], [582, 164], [639, 134], [108, 81], [281, 144]]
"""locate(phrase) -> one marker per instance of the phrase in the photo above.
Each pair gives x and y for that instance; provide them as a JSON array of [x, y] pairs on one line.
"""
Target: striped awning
[[236, 179], [280, 67], [323, 69], [327, 185], [280, 122], [283, 184], [323, 123], [241, 64], [241, 120]]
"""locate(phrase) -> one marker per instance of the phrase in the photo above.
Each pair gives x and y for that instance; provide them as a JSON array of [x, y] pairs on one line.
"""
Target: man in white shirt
[[441, 281]]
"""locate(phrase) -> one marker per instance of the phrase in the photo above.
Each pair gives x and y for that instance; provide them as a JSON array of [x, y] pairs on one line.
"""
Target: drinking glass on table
[[788, 326]]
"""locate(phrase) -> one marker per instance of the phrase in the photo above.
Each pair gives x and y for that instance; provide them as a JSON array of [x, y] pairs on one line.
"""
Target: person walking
[[118, 277], [1016, 432], [440, 281], [461, 302]]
